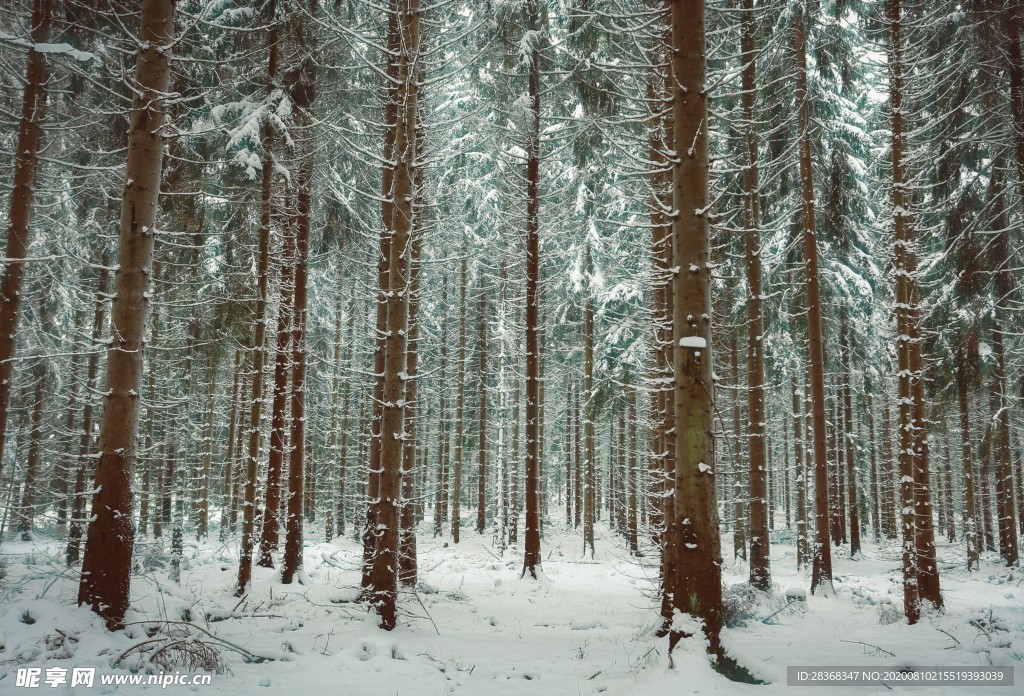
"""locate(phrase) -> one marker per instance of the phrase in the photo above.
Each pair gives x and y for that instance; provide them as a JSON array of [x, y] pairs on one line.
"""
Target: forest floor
[[474, 627]]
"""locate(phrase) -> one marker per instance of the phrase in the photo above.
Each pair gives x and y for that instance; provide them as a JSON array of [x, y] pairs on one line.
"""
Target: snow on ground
[[474, 627]]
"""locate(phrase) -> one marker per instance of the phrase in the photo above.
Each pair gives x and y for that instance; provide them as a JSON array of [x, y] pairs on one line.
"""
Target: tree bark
[[460, 407], [821, 570], [481, 499], [848, 437], [760, 563], [385, 506], [26, 168], [531, 557], [302, 79], [108, 550], [588, 426], [697, 589], [261, 316]]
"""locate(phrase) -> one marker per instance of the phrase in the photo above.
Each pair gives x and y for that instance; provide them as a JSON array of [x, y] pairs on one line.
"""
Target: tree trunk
[[303, 92], [407, 572], [760, 564], [460, 407], [261, 317], [697, 589], [29, 493], [26, 167], [391, 115], [821, 570], [801, 480], [385, 506], [531, 557], [64, 470], [739, 518], [588, 427], [278, 424], [848, 437], [441, 492], [203, 514], [108, 550], [481, 499], [230, 473]]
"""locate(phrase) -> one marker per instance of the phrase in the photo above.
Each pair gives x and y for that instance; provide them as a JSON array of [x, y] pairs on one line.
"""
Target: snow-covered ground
[[474, 627]]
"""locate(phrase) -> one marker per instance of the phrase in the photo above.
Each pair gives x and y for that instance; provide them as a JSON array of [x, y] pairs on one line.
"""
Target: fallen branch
[[869, 645]]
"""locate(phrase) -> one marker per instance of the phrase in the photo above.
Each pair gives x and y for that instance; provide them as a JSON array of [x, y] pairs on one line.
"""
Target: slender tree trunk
[[272, 499], [876, 493], [760, 564], [303, 92], [239, 479], [631, 476], [407, 572], [261, 318], [26, 168], [440, 494], [481, 499], [588, 428], [578, 460], [821, 571], [391, 116], [65, 479], [230, 472], [801, 480], [203, 515], [568, 453], [32, 461], [460, 407], [851, 469], [385, 564], [739, 517], [108, 550], [531, 557]]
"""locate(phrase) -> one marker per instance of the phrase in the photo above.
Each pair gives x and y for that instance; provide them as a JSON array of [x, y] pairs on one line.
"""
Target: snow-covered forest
[[511, 346]]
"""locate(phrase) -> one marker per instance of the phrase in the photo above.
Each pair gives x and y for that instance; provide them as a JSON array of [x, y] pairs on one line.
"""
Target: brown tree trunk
[[848, 437], [303, 92], [876, 493], [739, 518], [821, 570], [230, 473], [26, 167], [908, 372], [801, 480], [588, 426], [697, 586], [481, 498], [272, 499], [568, 452], [108, 549], [65, 479], [460, 407], [441, 492], [261, 317], [407, 572], [384, 564], [760, 564], [32, 461], [631, 476], [889, 485], [391, 115], [513, 530], [1004, 283], [239, 478], [203, 514], [531, 557]]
